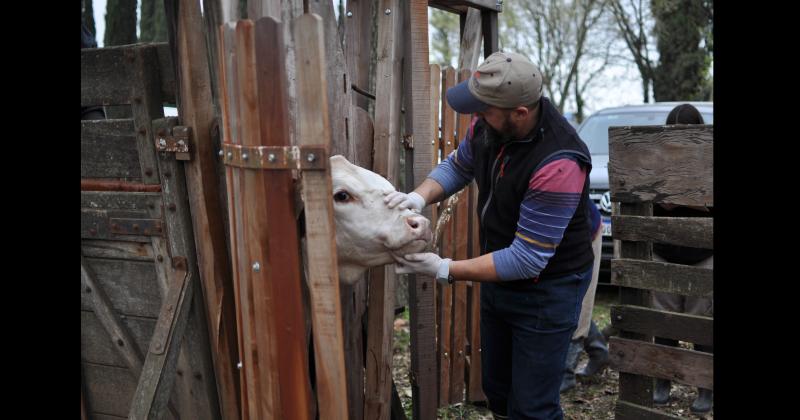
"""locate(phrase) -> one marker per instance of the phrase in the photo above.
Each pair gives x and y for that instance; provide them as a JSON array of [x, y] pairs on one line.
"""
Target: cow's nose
[[418, 225]]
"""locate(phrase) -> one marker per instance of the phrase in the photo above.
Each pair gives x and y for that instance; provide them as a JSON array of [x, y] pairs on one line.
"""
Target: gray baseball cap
[[503, 80]]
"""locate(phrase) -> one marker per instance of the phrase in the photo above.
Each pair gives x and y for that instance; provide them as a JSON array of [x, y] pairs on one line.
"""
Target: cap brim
[[463, 101]]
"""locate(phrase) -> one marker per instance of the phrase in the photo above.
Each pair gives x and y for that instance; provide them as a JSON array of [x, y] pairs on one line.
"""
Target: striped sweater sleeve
[[456, 171], [554, 192]]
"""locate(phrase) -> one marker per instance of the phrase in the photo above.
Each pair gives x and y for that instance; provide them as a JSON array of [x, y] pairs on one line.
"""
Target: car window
[[595, 130]]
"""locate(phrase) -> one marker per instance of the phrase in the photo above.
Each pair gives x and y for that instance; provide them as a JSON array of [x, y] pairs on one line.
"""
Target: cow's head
[[367, 231]]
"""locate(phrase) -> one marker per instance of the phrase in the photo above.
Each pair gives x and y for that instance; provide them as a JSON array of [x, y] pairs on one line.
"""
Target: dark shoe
[[703, 402], [597, 349], [661, 392], [568, 381]]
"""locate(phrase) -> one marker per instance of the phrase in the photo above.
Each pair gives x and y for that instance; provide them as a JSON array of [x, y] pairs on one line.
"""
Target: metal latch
[[141, 227], [177, 142]]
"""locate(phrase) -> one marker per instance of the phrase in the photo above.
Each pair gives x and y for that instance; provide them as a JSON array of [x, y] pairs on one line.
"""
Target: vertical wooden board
[[283, 257], [353, 298], [320, 236], [358, 37], [197, 111], [460, 229], [636, 389], [469, 53], [421, 287], [436, 90], [364, 135], [146, 106], [260, 382], [382, 283], [474, 387]]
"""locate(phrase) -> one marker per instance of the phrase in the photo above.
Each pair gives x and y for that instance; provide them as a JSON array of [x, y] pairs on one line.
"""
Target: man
[[536, 256]]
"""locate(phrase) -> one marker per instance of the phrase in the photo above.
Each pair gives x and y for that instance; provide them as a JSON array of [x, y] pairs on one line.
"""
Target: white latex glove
[[411, 200], [425, 263]]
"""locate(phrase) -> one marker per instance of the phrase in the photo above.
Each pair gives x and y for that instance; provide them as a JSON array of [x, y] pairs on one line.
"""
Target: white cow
[[367, 231]]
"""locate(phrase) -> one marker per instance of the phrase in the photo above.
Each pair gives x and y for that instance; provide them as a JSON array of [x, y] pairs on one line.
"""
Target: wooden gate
[[647, 166], [143, 325]]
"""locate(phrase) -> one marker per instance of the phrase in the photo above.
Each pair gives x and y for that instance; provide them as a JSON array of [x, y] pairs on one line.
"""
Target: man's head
[[684, 114], [505, 90]]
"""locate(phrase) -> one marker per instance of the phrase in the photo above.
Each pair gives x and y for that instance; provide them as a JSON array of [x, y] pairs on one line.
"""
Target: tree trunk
[[680, 75], [120, 22], [153, 27], [88, 17]]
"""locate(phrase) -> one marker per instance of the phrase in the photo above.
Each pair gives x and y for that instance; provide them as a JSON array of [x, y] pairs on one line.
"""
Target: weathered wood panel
[[662, 164], [109, 389], [697, 232], [117, 250], [688, 367], [666, 277], [97, 346], [108, 150], [131, 287], [685, 327]]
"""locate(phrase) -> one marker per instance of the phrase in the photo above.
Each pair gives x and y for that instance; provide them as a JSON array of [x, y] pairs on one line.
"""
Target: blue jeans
[[525, 335]]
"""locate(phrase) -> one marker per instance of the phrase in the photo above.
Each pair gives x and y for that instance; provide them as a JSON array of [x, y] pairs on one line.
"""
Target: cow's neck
[[349, 273]]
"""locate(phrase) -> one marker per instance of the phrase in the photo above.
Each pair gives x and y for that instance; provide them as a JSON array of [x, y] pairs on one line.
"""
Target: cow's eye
[[341, 196]]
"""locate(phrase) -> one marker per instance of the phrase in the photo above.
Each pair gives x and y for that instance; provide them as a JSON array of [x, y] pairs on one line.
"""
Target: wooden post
[[421, 288], [322, 265], [386, 159], [202, 184]]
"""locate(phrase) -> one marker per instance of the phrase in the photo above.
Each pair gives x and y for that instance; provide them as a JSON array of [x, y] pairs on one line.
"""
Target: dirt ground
[[593, 399]]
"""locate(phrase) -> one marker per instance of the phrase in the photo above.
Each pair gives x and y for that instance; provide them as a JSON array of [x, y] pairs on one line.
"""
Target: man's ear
[[520, 112]]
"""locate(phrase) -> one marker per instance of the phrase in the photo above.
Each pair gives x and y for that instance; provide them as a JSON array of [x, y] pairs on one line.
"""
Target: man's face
[[500, 121]]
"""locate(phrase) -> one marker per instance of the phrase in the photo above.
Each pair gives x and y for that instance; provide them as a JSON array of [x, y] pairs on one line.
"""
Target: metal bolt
[[239, 365], [445, 354], [136, 227], [148, 172], [160, 258], [245, 156], [256, 267], [181, 142], [460, 352], [88, 290], [349, 14], [167, 174], [169, 308], [433, 142], [479, 350], [142, 131], [221, 153], [93, 231], [230, 155], [311, 157], [448, 143], [619, 317], [120, 342], [271, 157], [171, 207], [162, 142], [388, 11]]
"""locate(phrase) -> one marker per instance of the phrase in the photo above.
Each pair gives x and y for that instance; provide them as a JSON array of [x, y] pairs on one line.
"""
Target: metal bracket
[[142, 227], [177, 143], [304, 158]]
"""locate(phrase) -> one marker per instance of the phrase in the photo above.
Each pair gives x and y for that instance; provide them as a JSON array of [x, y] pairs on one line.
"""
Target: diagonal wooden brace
[[158, 373]]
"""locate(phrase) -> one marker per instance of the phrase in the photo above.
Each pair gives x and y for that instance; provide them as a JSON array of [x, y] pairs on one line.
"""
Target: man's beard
[[506, 132]]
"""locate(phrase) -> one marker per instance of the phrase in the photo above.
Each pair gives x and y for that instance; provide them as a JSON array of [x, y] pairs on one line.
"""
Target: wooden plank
[[243, 296], [119, 335], [663, 164], [108, 150], [386, 159], [634, 388], [201, 172], [421, 288], [460, 231], [354, 301], [470, 50], [196, 392], [364, 137], [98, 347], [358, 49], [130, 286], [149, 204], [106, 79], [326, 314], [158, 372], [491, 5], [282, 240], [688, 367], [108, 389], [449, 119], [630, 411], [146, 106], [436, 95], [685, 327], [474, 386], [262, 352], [697, 232], [665, 277]]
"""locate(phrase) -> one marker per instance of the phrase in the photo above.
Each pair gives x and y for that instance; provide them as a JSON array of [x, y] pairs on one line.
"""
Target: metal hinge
[[177, 142]]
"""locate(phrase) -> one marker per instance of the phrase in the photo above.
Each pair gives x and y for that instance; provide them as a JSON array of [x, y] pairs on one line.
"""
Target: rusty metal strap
[[177, 142], [304, 158]]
